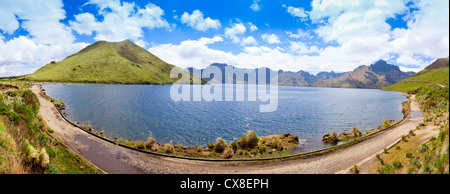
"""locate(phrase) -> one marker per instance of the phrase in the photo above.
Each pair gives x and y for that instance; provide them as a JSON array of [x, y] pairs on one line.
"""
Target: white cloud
[[141, 43], [250, 40], [234, 31], [427, 33], [252, 27], [271, 38], [47, 39], [23, 55], [197, 21], [121, 20], [301, 48], [300, 34], [255, 6], [297, 12]]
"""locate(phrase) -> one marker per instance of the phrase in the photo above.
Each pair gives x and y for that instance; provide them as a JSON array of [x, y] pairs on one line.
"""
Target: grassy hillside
[[416, 154], [429, 75], [107, 62], [26, 146]]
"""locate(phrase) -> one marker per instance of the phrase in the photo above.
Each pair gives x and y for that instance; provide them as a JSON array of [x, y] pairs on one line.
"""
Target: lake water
[[137, 111]]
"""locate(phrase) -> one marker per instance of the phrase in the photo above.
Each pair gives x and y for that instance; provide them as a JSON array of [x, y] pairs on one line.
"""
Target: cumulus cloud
[[47, 38], [300, 34], [255, 6], [250, 40], [121, 20], [197, 21], [235, 31], [360, 28], [271, 38], [252, 27], [296, 11]]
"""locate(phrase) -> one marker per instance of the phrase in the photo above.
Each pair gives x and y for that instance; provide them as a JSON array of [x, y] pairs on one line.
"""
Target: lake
[[137, 111]]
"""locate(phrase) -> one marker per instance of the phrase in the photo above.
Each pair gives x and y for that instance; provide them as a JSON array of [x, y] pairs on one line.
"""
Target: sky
[[292, 35]]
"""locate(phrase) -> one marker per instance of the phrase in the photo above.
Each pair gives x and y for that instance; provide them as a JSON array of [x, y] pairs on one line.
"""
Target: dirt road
[[115, 159]]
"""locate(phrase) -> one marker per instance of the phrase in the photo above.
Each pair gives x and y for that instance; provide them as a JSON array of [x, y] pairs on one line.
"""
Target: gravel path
[[115, 159]]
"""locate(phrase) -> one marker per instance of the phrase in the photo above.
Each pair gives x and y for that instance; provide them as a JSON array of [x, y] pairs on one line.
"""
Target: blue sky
[[311, 35]]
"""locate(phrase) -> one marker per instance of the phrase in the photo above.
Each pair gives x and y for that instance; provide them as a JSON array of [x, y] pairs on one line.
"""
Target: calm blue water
[[136, 111]]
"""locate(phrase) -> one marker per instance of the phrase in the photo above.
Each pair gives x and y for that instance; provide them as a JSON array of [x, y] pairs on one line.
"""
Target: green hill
[[107, 62], [436, 73]]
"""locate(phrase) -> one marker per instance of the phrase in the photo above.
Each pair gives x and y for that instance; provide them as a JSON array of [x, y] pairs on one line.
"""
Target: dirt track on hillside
[[115, 159]]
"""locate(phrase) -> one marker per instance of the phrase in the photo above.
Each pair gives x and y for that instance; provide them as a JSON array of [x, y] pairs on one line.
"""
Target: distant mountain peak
[[382, 67]]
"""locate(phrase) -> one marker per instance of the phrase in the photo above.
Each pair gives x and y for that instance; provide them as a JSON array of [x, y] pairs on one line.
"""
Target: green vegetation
[[416, 154], [25, 143], [248, 146], [107, 62], [433, 74]]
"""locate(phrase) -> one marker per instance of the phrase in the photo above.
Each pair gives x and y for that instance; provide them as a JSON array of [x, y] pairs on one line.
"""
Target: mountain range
[[126, 63], [378, 75]]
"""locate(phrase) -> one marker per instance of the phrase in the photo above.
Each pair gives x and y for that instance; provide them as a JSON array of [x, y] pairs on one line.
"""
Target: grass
[[418, 156], [25, 145], [421, 79]]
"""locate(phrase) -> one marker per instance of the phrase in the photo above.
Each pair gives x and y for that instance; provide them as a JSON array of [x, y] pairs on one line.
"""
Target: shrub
[[140, 145], [44, 159], [234, 145], [356, 169], [404, 138], [168, 148], [249, 140], [262, 149], [32, 153], [388, 169], [211, 146], [423, 148], [220, 145], [426, 169], [150, 142], [397, 164], [228, 153], [409, 155], [415, 162]]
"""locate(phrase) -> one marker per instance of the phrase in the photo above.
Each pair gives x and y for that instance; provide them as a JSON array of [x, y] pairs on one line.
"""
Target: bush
[[397, 164], [44, 159], [168, 148], [423, 148], [150, 142], [211, 146], [262, 149], [140, 145], [249, 140], [228, 153], [32, 153], [220, 145], [409, 155], [234, 145], [388, 169]]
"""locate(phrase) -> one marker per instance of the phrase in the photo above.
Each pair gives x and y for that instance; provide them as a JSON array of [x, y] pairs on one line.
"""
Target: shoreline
[[283, 154], [113, 158]]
